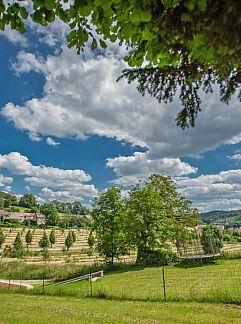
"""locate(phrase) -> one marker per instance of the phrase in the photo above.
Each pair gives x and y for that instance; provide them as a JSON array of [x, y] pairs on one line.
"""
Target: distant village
[[20, 217]]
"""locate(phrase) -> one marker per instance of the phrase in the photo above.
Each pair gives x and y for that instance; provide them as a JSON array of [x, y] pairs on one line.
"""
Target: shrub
[[2, 238], [29, 237], [91, 240], [73, 236], [229, 238], [160, 257], [46, 255], [69, 240], [211, 239], [44, 241], [18, 248], [52, 237]]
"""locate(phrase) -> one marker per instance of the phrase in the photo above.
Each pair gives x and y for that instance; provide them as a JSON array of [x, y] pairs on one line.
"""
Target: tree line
[[57, 213]]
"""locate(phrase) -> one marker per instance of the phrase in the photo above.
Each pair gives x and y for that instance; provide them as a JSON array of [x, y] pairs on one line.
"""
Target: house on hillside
[[22, 216], [199, 228]]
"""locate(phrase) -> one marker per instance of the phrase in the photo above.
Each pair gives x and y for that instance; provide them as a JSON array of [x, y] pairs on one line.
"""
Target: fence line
[[90, 276], [217, 281]]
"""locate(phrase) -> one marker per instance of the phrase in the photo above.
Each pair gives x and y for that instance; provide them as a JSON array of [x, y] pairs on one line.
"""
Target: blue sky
[[68, 130]]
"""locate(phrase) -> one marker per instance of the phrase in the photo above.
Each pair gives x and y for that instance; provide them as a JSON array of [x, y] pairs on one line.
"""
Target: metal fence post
[[43, 284], [9, 281], [90, 280], [164, 284]]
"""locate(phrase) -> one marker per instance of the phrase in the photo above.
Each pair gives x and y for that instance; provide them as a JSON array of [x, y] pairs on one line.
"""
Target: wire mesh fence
[[217, 281], [220, 282]]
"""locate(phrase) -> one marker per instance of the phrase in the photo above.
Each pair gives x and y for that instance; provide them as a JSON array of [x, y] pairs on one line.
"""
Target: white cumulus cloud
[[213, 191], [130, 169], [14, 37], [72, 181], [5, 180], [50, 141]]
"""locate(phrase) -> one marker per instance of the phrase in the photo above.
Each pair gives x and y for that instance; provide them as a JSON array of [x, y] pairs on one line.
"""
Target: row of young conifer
[[18, 249]]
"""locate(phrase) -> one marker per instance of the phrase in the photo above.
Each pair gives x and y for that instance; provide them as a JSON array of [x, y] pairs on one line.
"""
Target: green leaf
[[146, 15], [23, 12], [63, 15], [102, 43], [113, 38], [37, 16], [50, 4], [86, 10], [50, 16], [135, 17], [147, 35], [38, 4], [71, 36], [2, 7], [94, 44]]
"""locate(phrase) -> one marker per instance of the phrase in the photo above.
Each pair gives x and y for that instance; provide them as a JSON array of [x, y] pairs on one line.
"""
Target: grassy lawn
[[18, 309], [220, 282]]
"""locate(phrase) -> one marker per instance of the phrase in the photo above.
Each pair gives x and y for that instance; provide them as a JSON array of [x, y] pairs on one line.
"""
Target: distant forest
[[232, 217]]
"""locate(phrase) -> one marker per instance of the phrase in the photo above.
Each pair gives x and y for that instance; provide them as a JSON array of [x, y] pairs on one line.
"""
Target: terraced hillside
[[78, 253]]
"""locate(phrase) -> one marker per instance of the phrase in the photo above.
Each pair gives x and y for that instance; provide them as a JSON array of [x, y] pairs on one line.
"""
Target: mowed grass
[[219, 282], [20, 309]]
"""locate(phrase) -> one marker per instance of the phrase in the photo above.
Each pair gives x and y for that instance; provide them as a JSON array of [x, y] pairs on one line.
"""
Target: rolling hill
[[220, 216]]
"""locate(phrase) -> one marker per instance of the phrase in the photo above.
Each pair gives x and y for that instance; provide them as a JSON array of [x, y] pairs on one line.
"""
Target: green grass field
[[20, 309], [134, 295], [220, 282]]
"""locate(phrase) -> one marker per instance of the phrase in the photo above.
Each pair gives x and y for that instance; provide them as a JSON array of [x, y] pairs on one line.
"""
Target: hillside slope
[[220, 216]]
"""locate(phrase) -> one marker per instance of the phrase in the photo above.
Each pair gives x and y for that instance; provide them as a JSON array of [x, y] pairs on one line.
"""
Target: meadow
[[178, 293], [214, 282], [44, 309]]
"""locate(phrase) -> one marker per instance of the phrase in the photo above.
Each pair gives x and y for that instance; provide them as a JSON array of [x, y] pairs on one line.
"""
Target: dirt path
[[14, 284]]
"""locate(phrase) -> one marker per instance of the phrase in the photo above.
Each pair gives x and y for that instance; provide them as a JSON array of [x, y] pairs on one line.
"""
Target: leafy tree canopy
[[28, 201], [156, 214], [75, 208], [186, 45], [108, 218], [6, 200], [148, 220], [51, 214], [211, 239]]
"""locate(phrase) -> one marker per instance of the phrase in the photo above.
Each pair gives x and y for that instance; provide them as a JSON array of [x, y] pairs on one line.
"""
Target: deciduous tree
[[27, 200], [51, 214], [211, 239], [107, 214], [156, 214]]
